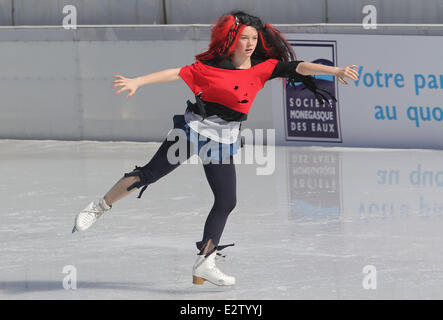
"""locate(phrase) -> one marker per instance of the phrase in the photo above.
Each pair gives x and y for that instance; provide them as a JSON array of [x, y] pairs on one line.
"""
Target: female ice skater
[[243, 54]]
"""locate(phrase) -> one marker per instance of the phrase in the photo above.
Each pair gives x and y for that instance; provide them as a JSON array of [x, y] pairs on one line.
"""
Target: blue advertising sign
[[307, 119]]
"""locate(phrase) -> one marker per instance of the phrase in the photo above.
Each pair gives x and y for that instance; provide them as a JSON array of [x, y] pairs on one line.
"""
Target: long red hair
[[227, 30]]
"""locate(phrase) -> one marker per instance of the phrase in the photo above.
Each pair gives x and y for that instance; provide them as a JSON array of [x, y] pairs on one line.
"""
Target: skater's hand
[[126, 84], [348, 72]]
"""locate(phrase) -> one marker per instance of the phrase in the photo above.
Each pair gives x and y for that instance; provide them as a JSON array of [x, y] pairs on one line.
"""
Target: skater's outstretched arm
[[133, 84], [309, 68]]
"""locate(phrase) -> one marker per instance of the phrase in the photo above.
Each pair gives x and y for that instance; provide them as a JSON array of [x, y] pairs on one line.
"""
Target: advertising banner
[[397, 102]]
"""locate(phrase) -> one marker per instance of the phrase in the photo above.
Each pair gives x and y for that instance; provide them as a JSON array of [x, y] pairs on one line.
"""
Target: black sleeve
[[285, 69]]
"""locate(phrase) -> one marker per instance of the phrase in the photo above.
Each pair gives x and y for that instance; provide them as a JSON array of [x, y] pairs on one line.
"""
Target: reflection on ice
[[314, 183], [365, 183]]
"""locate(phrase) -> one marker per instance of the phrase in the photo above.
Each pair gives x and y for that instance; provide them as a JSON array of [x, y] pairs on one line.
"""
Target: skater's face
[[247, 42]]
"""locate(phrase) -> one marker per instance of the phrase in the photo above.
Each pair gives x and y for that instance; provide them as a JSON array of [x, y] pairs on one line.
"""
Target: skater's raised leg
[[158, 167], [120, 189]]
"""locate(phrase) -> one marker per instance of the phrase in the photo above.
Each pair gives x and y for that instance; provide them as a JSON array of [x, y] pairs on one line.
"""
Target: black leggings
[[221, 178]]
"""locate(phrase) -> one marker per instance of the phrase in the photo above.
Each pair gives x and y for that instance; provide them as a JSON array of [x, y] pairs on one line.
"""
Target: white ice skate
[[205, 270], [90, 214]]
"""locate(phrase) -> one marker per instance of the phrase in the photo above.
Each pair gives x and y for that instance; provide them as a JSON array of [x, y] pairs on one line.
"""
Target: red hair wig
[[227, 30]]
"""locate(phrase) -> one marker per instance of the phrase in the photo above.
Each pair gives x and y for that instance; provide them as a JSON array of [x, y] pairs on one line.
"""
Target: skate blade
[[74, 229]]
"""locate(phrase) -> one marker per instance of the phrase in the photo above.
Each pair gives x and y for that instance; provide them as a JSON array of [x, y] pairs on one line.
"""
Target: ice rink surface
[[306, 231]]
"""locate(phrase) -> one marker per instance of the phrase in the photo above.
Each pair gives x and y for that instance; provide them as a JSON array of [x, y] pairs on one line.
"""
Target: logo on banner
[[307, 119]]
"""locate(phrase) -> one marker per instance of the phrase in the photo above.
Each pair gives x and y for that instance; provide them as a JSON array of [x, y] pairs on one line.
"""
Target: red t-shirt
[[235, 89]]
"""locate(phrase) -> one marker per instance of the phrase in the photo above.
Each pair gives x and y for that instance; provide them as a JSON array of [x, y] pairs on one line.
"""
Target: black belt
[[199, 107], [206, 109]]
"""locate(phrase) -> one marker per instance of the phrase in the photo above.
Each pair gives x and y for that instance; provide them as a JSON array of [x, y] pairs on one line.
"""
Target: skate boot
[[90, 214], [205, 270]]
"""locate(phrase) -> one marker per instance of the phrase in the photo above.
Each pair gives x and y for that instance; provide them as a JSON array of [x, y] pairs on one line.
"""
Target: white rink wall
[[57, 83], [54, 86]]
